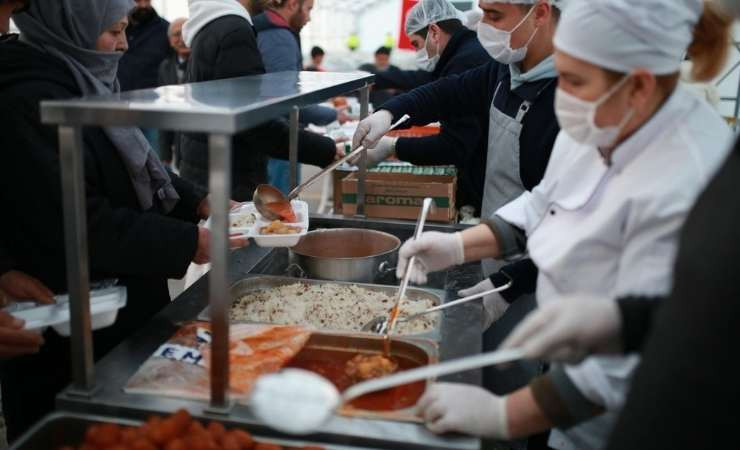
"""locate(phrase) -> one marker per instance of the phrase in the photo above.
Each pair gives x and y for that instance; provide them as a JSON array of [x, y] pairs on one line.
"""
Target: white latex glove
[[380, 153], [494, 305], [372, 128], [463, 408], [569, 330], [434, 251]]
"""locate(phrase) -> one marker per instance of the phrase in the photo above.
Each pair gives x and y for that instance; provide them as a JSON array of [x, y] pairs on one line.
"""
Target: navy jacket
[[462, 140], [472, 93], [148, 46]]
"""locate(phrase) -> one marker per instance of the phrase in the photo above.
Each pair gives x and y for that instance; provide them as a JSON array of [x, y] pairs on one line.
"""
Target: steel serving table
[[221, 109]]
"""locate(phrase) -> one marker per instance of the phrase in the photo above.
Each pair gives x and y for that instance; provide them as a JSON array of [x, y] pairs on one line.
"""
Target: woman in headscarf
[[141, 219], [635, 152]]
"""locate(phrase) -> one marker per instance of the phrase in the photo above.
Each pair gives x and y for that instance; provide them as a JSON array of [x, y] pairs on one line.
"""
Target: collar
[[545, 69], [276, 19], [670, 112], [529, 91]]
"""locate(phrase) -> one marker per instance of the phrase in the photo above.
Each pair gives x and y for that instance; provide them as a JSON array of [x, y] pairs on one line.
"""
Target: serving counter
[[222, 109]]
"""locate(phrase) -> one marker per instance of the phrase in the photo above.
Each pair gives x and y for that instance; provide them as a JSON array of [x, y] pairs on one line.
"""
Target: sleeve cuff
[[561, 401], [511, 240]]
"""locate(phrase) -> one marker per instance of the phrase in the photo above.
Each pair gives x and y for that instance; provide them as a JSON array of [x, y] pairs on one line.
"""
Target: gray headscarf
[[69, 30]]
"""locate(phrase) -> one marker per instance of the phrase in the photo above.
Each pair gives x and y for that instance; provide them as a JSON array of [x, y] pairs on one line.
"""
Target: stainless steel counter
[[461, 336]]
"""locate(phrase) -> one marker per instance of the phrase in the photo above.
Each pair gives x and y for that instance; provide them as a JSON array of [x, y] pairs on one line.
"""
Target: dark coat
[[140, 248], [227, 48], [169, 141], [148, 46], [463, 140]]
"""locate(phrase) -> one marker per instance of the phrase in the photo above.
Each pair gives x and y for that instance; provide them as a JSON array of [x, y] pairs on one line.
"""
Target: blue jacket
[[281, 51], [148, 46], [472, 93], [462, 140]]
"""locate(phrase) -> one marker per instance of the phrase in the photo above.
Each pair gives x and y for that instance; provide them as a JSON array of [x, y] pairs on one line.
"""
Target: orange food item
[[278, 227], [284, 210], [177, 432], [366, 367]]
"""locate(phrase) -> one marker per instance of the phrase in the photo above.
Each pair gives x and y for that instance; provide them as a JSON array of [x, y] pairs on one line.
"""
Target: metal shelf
[[219, 108]]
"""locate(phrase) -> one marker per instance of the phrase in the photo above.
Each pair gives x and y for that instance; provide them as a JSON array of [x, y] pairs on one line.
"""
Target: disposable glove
[[380, 153], [569, 330], [494, 305], [371, 129], [434, 251], [462, 408]]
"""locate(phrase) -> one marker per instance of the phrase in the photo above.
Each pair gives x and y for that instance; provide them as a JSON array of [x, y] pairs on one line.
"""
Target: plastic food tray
[[269, 240], [104, 306]]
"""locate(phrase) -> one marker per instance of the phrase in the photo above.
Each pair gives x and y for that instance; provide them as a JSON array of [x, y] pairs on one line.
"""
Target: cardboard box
[[398, 193]]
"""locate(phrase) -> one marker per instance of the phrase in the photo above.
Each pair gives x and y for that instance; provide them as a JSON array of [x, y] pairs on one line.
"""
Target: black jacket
[[148, 46], [141, 249], [463, 139], [227, 48], [169, 141], [472, 92], [684, 393]]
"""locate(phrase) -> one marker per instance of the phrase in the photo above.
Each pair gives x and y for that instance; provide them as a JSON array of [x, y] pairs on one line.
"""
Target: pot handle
[[295, 267], [384, 268]]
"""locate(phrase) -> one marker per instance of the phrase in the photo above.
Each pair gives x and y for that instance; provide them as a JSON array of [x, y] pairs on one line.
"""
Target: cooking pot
[[346, 254]]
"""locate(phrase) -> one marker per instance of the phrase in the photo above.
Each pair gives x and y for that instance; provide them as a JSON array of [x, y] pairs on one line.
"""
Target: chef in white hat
[[634, 152]]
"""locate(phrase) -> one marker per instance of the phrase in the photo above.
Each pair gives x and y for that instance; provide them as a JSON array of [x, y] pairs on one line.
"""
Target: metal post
[[293, 147], [362, 175], [737, 109], [78, 271], [220, 193]]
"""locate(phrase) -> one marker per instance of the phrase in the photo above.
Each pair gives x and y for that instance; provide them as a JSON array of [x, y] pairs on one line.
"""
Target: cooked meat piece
[[366, 367]]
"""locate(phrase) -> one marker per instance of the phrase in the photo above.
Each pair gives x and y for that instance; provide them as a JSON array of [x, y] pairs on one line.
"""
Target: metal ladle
[[266, 194], [380, 323], [297, 401]]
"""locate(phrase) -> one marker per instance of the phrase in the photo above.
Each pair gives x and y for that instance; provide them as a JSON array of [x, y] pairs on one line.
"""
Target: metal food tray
[[262, 282], [61, 429], [422, 352]]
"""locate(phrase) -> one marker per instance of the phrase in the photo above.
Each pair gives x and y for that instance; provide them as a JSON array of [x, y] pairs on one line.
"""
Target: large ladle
[[266, 194], [380, 323], [297, 401]]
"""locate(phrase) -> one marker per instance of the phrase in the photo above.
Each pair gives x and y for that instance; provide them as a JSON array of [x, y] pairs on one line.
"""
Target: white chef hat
[[624, 35], [560, 4], [427, 12]]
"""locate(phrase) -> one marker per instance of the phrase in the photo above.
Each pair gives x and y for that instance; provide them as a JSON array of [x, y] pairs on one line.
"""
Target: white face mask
[[424, 61], [578, 118], [498, 42]]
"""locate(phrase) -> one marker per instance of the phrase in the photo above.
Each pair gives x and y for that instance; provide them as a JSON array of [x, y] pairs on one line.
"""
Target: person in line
[[148, 46], [317, 60], [278, 38], [141, 220], [381, 63], [172, 71], [514, 95], [444, 47], [635, 152], [223, 45]]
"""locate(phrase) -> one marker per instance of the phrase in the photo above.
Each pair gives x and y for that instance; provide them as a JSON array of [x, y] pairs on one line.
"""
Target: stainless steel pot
[[346, 254]]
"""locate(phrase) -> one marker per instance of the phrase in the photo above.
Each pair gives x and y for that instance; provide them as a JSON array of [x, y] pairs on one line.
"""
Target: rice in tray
[[328, 307]]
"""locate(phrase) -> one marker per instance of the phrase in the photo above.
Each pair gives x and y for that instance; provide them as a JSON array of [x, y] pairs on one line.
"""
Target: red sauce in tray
[[284, 210], [331, 365]]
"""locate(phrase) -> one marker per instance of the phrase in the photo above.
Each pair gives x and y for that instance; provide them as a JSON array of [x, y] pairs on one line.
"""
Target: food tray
[[421, 352], [262, 282], [268, 240], [104, 306], [60, 428]]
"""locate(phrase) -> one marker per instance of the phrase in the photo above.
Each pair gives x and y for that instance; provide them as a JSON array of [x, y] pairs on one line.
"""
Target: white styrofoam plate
[[289, 240], [104, 306]]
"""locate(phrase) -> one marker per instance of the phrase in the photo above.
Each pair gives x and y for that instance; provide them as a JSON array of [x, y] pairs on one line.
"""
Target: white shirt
[[613, 230]]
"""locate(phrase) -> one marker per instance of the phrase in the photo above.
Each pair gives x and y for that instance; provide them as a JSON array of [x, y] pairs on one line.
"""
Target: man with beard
[[278, 39], [148, 47]]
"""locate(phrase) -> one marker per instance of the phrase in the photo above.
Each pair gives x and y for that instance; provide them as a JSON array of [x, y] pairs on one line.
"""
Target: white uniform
[[613, 230]]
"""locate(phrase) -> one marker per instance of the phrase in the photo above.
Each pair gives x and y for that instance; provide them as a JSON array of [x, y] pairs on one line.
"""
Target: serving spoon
[[297, 401], [380, 323], [266, 194]]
